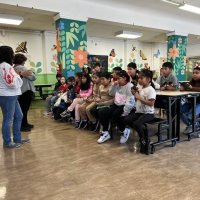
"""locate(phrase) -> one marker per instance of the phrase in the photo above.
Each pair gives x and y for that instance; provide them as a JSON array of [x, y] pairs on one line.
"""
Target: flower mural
[[177, 55], [114, 62], [73, 44], [80, 57], [173, 52]]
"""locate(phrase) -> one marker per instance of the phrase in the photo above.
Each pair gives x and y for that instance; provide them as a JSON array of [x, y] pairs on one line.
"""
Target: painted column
[[71, 45], [176, 48]]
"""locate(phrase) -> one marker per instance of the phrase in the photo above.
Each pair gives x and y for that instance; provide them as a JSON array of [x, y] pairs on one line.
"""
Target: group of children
[[123, 98]]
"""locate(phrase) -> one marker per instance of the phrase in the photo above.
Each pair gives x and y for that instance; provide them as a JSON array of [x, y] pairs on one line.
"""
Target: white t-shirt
[[10, 81], [146, 93]]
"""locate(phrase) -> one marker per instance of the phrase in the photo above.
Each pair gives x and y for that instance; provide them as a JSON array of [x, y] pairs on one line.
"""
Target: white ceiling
[[33, 19], [43, 20]]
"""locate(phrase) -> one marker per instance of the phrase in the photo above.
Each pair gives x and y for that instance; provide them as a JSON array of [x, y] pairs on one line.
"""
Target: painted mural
[[176, 49], [71, 45], [36, 66], [138, 57], [114, 62]]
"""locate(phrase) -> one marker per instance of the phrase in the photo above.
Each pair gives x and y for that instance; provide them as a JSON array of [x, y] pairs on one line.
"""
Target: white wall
[[193, 50], [38, 45], [125, 52]]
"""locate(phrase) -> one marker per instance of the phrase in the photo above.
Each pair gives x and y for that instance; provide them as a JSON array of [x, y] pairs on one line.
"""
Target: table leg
[[178, 103], [40, 91]]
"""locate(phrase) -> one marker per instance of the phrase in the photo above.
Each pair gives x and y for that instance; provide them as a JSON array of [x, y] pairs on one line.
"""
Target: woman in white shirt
[[10, 88]]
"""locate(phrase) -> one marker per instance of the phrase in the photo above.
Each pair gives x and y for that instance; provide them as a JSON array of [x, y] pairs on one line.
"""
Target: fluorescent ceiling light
[[128, 34], [190, 8], [10, 19], [171, 2]]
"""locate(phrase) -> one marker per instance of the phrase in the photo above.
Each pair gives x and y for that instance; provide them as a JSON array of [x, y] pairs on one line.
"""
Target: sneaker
[[25, 141], [77, 123], [125, 136], [93, 126], [12, 145], [66, 114], [83, 124], [188, 129], [104, 137]]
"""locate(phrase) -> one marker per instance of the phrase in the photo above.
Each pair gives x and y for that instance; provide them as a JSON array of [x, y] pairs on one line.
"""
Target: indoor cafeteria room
[[100, 100]]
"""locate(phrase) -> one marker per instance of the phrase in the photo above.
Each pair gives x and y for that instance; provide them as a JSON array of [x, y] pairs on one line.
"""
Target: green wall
[[45, 78]]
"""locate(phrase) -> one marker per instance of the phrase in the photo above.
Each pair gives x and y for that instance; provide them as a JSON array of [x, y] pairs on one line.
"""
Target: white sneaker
[[125, 136], [188, 129], [104, 137]]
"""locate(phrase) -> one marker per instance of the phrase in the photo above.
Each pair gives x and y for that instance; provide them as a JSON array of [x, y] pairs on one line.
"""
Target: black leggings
[[25, 102], [109, 114], [137, 120]]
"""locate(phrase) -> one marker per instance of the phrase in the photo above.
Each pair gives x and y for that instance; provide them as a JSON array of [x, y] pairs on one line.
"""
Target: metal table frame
[[38, 87], [174, 100]]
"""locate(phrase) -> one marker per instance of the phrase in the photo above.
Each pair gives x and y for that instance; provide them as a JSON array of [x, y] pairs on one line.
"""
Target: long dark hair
[[85, 86], [149, 74], [124, 74], [19, 59], [6, 54]]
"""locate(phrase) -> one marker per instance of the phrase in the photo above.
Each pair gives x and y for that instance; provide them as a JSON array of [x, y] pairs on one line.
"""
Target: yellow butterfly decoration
[[142, 55], [21, 48]]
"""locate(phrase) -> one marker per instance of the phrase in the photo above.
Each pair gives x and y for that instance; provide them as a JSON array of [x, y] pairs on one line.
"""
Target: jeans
[[186, 113], [12, 117]]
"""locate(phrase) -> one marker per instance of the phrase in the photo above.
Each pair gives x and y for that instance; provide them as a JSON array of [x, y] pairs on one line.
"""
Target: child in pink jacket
[[85, 92]]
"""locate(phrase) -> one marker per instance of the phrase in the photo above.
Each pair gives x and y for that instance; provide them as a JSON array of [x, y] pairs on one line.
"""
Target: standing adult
[[27, 89], [10, 84]]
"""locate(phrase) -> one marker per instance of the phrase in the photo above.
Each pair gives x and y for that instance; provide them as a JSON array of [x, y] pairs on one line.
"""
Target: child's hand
[[162, 88], [78, 95], [182, 88], [89, 100], [115, 83], [134, 89], [137, 96]]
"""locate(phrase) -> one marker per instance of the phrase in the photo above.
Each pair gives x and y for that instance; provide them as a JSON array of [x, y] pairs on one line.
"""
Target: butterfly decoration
[[156, 55], [54, 47], [61, 26], [21, 48], [112, 53], [133, 48], [142, 55]]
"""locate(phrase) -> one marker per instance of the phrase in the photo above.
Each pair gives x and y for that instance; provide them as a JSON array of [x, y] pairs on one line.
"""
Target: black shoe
[[83, 124], [77, 124], [30, 125], [144, 146], [93, 126], [25, 129]]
